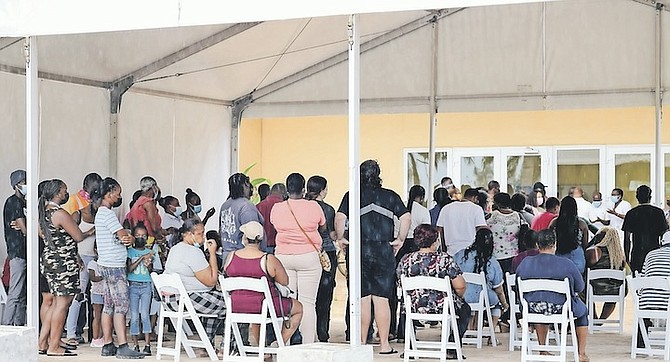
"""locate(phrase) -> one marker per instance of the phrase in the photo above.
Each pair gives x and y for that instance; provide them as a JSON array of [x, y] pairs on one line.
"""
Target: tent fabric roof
[[553, 55]]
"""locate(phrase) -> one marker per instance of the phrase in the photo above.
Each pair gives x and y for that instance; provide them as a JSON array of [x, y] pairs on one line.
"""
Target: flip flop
[[66, 353], [392, 351], [41, 351]]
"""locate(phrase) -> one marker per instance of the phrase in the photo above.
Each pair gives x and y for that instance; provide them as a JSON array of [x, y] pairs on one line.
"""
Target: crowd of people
[[89, 254]]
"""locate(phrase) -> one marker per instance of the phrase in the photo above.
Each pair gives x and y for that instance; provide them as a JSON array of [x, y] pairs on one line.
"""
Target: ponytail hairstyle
[[414, 192], [315, 185], [47, 191], [106, 186], [191, 197], [166, 201]]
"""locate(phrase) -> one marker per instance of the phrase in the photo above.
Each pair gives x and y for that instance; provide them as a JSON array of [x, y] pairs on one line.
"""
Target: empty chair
[[657, 307], [563, 318], [447, 317], [171, 290], [598, 277], [483, 309]]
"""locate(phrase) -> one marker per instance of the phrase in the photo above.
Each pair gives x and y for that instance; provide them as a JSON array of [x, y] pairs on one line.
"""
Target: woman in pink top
[[145, 210], [298, 222]]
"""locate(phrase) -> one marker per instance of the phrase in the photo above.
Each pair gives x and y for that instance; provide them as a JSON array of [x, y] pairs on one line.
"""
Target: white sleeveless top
[[86, 245]]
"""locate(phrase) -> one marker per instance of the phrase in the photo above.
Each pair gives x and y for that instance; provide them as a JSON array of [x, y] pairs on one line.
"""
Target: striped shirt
[[111, 253], [656, 264]]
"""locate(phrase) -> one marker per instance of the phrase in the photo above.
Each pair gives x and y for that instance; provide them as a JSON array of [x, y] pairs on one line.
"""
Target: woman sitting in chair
[[198, 274], [546, 265], [251, 262], [606, 253], [432, 263], [479, 257]]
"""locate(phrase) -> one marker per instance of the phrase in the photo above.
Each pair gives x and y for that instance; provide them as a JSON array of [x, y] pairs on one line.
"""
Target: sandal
[[584, 358], [392, 351], [489, 343]]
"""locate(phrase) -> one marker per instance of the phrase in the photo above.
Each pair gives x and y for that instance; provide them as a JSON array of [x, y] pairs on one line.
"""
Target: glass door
[[523, 168], [475, 168], [629, 168]]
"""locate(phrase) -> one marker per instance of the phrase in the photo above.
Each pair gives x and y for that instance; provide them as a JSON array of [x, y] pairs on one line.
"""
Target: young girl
[[97, 301], [140, 265]]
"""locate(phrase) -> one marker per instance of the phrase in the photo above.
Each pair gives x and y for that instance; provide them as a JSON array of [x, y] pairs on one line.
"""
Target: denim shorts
[[97, 299]]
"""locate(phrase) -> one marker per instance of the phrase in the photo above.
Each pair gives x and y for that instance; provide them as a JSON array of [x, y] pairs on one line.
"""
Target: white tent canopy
[[169, 79]]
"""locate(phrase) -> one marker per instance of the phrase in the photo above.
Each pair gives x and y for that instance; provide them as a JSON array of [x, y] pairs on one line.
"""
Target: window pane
[[667, 177], [476, 171], [522, 173], [417, 170], [578, 168], [631, 171]]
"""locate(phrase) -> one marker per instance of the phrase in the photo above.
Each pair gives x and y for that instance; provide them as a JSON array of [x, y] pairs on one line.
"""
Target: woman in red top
[[251, 262], [145, 210]]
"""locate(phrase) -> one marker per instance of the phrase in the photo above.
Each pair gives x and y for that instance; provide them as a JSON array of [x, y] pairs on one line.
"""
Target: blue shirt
[[549, 266], [141, 273], [494, 276]]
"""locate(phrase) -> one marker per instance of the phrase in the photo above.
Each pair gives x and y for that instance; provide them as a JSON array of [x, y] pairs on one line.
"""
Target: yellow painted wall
[[318, 145]]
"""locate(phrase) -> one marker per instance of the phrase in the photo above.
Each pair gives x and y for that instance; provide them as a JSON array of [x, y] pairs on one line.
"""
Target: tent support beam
[[433, 107], [342, 57], [180, 96], [354, 91], [32, 178], [657, 184], [238, 107], [116, 93], [56, 77], [190, 50]]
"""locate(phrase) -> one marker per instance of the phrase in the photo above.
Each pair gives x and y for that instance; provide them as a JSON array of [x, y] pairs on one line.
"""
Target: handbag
[[323, 256]]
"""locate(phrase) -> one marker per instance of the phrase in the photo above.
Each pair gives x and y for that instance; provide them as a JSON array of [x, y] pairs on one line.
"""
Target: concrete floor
[[600, 346]]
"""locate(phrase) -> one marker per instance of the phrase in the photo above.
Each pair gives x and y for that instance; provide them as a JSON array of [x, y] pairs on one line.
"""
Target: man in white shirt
[[617, 208], [583, 206], [458, 222], [598, 212]]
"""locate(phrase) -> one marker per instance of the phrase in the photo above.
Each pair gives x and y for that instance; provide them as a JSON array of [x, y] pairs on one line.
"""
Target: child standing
[[97, 301], [140, 262]]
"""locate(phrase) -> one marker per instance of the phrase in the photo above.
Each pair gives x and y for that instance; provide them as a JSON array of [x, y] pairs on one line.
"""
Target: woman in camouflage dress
[[58, 263]]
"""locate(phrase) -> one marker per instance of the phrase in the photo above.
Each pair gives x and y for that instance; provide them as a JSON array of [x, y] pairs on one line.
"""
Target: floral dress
[[433, 264], [505, 229]]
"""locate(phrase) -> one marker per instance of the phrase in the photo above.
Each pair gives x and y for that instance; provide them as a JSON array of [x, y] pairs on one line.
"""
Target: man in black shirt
[[646, 223], [15, 236]]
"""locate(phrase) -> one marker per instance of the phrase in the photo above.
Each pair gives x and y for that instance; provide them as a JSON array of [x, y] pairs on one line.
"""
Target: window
[[631, 171], [578, 168], [417, 170], [476, 171], [522, 172]]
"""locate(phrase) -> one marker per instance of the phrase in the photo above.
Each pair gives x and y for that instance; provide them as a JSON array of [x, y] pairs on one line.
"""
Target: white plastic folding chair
[[563, 319], [591, 300], [3, 299], [170, 286], [430, 349], [655, 342], [481, 308], [268, 315], [514, 335]]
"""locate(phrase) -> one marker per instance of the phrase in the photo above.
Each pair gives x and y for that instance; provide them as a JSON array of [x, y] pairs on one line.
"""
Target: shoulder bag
[[323, 256]]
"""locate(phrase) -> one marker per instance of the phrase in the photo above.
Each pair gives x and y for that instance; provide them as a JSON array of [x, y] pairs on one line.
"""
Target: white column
[[433, 113], [657, 184], [354, 184], [32, 179]]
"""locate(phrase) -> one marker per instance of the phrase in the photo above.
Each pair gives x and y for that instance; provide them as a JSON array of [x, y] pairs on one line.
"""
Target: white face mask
[[23, 189], [540, 201], [597, 203], [615, 199]]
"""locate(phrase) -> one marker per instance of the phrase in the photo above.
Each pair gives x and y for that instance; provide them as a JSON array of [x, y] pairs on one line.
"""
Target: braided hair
[[47, 191]]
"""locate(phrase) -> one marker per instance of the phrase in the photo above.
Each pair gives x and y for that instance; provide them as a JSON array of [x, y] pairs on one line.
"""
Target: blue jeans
[[140, 302], [73, 313]]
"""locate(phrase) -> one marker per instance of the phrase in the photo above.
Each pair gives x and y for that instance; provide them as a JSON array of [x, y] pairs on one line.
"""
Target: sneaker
[[147, 350], [97, 343], [108, 349], [80, 339], [137, 348], [124, 352]]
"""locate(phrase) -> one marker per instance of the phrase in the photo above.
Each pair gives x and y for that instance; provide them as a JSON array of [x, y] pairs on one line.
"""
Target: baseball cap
[[252, 230], [538, 186]]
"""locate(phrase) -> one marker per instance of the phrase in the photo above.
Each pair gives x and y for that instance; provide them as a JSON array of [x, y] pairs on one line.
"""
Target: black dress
[[378, 207]]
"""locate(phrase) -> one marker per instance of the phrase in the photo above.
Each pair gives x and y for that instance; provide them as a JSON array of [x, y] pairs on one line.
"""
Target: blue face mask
[[615, 199], [178, 210], [597, 203], [197, 208]]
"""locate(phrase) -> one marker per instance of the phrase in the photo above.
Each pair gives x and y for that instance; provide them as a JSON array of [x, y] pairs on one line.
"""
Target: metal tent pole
[[433, 109], [354, 184], [32, 178], [657, 184]]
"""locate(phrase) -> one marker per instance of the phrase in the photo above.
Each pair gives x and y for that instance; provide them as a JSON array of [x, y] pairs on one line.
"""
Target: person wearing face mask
[[194, 207], [538, 198], [171, 219], [598, 211], [447, 182], [237, 210], [617, 208], [58, 263], [144, 209], [140, 265], [198, 274], [14, 219]]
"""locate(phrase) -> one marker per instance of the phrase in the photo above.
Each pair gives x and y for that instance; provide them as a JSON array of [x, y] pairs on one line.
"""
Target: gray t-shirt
[[186, 260], [233, 214]]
